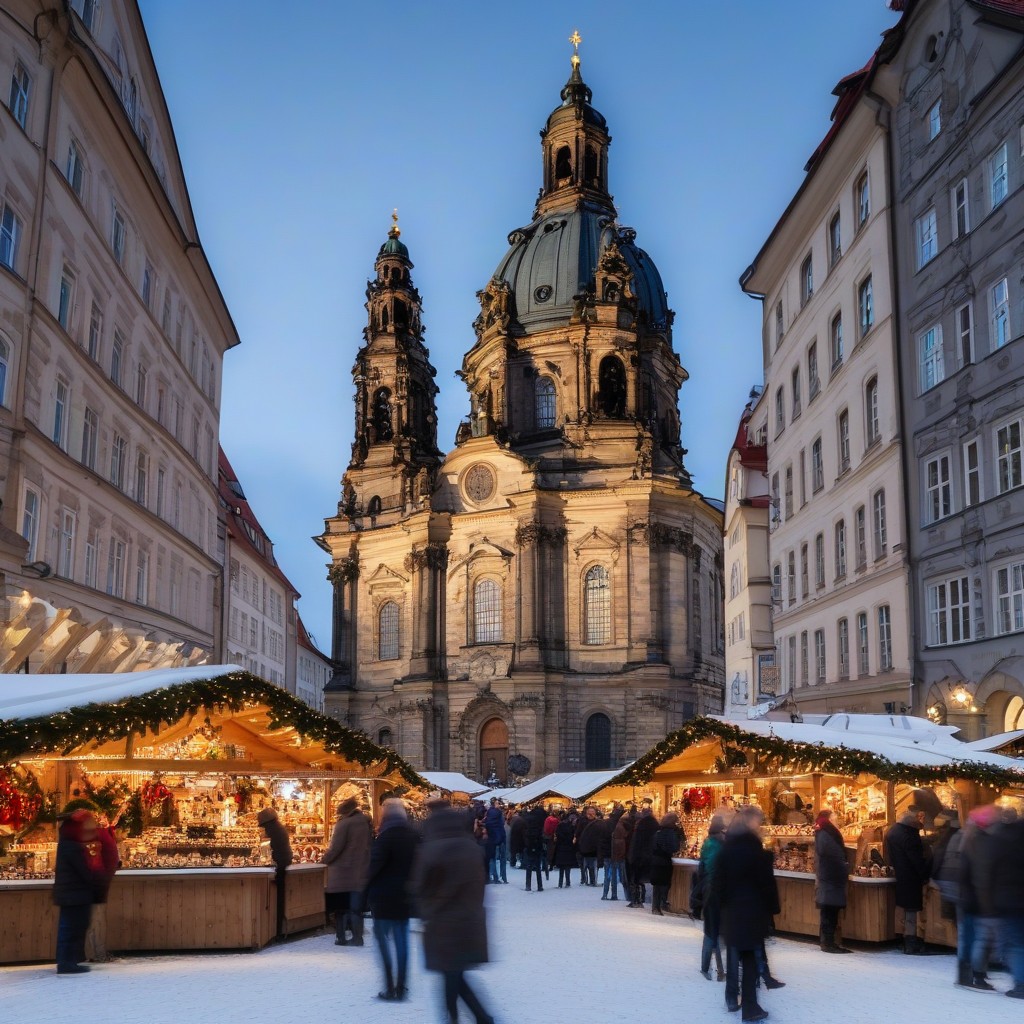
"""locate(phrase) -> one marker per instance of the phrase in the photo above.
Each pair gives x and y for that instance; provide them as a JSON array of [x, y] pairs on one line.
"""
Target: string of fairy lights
[[779, 756], [235, 691]]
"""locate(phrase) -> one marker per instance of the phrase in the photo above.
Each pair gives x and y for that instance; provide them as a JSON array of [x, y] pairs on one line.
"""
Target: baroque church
[[552, 587]]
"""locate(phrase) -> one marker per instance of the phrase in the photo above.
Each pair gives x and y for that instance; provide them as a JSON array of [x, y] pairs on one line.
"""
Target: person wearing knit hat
[[348, 860]]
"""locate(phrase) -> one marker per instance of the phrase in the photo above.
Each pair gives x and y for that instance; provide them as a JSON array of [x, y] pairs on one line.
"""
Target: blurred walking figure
[[639, 857], [904, 850], [534, 838], [978, 857], [604, 827], [565, 851], [280, 852], [516, 840], [744, 882], [78, 879], [494, 822], [347, 860], [947, 862], [448, 880], [831, 870], [96, 936], [665, 846], [587, 838], [551, 820], [387, 892], [1008, 895], [622, 835], [711, 909]]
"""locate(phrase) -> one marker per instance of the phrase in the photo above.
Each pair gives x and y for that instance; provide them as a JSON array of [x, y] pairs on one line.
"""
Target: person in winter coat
[[586, 845], [551, 820], [946, 864], [534, 828], [347, 859], [387, 893], [710, 906], [665, 846], [977, 892], [565, 851], [604, 853], [639, 856], [96, 936], [831, 870], [744, 882], [448, 880], [516, 839], [622, 835], [905, 851], [79, 879], [280, 852], [1008, 895], [494, 822]]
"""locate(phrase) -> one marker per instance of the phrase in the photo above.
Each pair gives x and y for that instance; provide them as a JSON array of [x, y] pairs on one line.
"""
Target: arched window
[[563, 163], [381, 414], [590, 166], [5, 356], [486, 612], [598, 752], [1014, 718], [387, 632], [494, 750], [544, 403], [384, 738], [597, 606], [611, 382], [374, 506]]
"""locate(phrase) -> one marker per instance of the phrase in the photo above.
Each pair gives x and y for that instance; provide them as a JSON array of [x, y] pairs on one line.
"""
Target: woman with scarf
[[831, 870]]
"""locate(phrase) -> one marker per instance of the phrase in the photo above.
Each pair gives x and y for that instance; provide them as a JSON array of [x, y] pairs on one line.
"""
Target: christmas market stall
[[562, 788], [866, 768], [182, 761], [459, 787]]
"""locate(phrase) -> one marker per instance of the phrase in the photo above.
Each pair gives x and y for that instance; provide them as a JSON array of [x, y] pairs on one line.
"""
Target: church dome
[[553, 260]]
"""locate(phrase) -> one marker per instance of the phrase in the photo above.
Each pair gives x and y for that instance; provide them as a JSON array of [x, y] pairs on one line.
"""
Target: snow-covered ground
[[557, 955]]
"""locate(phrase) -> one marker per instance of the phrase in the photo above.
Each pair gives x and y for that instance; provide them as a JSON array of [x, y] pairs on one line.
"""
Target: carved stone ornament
[[495, 307], [433, 556], [344, 571], [659, 535], [538, 533]]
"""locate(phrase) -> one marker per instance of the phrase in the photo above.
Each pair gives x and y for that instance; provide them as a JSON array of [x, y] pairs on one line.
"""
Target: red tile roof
[[305, 640]]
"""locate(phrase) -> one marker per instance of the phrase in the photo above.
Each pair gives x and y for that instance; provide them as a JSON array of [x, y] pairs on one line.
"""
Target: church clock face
[[479, 483]]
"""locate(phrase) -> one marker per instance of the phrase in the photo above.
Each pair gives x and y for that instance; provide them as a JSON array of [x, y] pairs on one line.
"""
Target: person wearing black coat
[[1008, 894], [744, 882], [565, 852], [533, 835], [587, 840], [665, 846], [640, 847], [831, 870], [78, 881], [280, 853], [387, 893], [516, 838], [905, 851]]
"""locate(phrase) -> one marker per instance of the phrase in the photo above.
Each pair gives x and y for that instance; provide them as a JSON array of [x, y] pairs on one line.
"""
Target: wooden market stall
[[184, 760], [864, 770]]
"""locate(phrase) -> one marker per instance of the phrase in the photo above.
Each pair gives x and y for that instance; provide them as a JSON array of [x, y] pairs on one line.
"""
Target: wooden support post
[[816, 789], [890, 803]]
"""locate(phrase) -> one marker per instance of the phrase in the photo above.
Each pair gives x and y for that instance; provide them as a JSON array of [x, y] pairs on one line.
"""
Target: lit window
[[932, 368], [927, 238], [949, 612], [21, 84], [1008, 445], [597, 606], [387, 631], [486, 612], [866, 304], [10, 230], [1000, 314], [935, 121], [938, 490], [544, 398], [997, 176]]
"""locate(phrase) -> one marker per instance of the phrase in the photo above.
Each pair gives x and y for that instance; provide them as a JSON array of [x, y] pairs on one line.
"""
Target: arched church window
[[611, 382], [387, 632], [384, 738], [598, 747], [373, 508], [597, 606], [382, 415], [544, 403], [590, 172], [401, 313], [486, 612], [563, 163]]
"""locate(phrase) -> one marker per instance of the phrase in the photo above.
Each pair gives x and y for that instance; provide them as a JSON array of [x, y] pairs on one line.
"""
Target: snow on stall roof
[[571, 785], [30, 696], [921, 743], [454, 782], [500, 794], [995, 742]]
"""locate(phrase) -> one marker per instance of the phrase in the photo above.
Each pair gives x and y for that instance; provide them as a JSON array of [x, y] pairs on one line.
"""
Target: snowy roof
[[30, 696], [454, 782], [571, 785], [995, 742], [500, 794]]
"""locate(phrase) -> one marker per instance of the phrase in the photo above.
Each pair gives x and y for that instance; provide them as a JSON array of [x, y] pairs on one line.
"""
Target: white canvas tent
[[455, 782], [570, 785]]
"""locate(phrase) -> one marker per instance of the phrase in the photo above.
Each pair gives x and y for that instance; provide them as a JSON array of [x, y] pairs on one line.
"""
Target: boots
[[354, 922], [979, 983], [828, 941], [963, 973], [913, 945]]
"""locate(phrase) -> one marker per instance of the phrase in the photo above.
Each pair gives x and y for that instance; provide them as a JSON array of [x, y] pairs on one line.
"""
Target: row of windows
[[255, 590], [846, 543], [257, 635], [809, 665], [952, 618]]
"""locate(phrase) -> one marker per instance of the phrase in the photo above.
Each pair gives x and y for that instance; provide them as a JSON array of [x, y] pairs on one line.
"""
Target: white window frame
[[930, 358], [871, 411], [75, 170], [927, 233], [935, 120], [879, 524], [938, 493], [948, 603], [973, 472], [817, 466], [66, 299], [1000, 307], [1008, 591], [860, 528], [835, 239], [61, 413], [862, 196], [820, 660], [813, 381], [863, 646], [843, 429], [30, 515], [66, 548], [840, 539], [10, 234], [5, 368], [884, 638], [142, 579], [21, 91], [959, 200], [843, 636], [1009, 455], [965, 333], [998, 177], [806, 280], [866, 305], [118, 236], [819, 561], [835, 342]]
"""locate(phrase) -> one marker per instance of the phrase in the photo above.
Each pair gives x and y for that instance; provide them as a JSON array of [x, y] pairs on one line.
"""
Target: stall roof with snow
[[894, 748], [454, 782], [570, 785], [107, 719]]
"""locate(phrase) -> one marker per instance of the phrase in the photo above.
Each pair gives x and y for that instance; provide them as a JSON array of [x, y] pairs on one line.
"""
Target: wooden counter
[[303, 898], [870, 909]]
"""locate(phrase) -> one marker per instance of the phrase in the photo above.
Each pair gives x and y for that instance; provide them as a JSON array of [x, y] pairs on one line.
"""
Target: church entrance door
[[494, 750]]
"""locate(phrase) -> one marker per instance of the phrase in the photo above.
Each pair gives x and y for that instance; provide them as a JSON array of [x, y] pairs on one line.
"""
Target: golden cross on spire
[[575, 40], [394, 224]]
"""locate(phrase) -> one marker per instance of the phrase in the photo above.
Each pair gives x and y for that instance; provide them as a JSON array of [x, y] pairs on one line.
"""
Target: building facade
[[262, 622], [552, 587], [112, 337], [954, 81], [313, 669], [837, 546], [751, 671]]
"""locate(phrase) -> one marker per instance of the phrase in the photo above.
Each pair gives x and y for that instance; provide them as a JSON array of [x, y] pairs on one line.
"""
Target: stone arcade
[[553, 586]]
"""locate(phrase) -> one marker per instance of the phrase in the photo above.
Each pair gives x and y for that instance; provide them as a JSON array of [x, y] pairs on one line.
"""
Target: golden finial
[[575, 40], [394, 232]]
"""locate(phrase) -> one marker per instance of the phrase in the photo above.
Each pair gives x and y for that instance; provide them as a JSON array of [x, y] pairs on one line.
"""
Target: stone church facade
[[552, 587]]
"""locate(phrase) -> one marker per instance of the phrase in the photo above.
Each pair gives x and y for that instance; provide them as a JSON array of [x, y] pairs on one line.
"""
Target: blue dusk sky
[[301, 126]]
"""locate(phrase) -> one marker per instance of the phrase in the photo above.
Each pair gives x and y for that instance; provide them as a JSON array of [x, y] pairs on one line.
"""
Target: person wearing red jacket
[[96, 938], [78, 880]]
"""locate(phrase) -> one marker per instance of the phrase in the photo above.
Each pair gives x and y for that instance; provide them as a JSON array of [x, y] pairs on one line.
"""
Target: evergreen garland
[[101, 723], [777, 756]]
